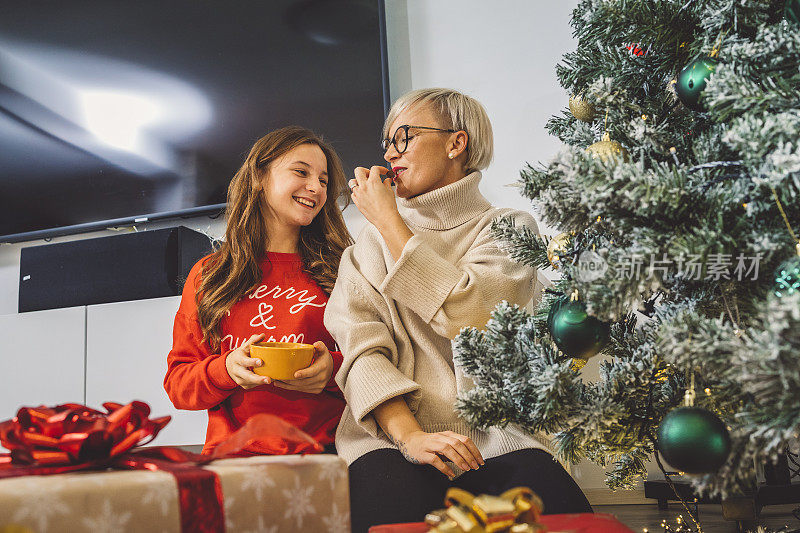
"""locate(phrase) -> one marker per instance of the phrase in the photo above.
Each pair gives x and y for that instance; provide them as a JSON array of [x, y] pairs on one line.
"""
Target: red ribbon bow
[[76, 436]]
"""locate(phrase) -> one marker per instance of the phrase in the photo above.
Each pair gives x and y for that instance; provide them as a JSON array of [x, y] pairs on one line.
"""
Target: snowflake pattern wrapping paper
[[266, 493]]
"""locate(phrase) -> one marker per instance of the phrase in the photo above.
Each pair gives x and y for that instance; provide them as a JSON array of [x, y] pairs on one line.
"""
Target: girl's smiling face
[[296, 186]]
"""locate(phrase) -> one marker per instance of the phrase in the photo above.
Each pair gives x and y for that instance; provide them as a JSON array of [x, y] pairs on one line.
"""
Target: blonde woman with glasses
[[424, 268]]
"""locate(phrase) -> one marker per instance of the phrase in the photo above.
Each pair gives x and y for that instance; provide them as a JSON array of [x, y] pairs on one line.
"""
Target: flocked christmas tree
[[678, 192]]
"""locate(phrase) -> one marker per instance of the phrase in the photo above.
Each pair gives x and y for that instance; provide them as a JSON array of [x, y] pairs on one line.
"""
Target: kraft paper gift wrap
[[265, 493]]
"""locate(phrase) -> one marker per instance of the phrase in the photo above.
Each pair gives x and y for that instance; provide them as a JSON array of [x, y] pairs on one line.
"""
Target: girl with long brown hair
[[268, 281]]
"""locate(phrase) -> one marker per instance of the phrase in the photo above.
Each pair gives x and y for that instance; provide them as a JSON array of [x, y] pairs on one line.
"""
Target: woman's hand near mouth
[[375, 199]]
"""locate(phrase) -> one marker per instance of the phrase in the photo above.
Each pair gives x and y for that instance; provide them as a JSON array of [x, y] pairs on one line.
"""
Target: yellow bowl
[[281, 359]]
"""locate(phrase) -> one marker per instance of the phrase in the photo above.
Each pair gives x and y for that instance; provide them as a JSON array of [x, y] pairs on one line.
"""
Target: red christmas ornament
[[638, 49]]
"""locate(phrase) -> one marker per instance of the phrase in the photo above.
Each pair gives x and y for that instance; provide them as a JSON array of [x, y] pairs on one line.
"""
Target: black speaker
[[132, 266]]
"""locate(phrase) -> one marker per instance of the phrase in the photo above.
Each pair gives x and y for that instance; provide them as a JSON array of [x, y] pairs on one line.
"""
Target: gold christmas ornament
[[556, 248], [581, 108], [607, 149], [577, 364]]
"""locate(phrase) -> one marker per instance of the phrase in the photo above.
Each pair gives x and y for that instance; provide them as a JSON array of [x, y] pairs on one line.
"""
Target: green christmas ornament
[[693, 440], [787, 277], [792, 11], [692, 81], [575, 332]]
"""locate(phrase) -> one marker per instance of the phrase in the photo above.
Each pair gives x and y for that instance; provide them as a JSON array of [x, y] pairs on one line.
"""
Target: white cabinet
[[126, 358], [41, 359], [99, 353]]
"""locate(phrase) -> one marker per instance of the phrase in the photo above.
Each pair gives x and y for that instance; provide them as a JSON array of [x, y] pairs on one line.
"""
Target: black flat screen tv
[[113, 112]]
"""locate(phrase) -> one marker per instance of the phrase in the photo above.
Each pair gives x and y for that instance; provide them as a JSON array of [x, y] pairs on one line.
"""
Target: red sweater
[[287, 307]]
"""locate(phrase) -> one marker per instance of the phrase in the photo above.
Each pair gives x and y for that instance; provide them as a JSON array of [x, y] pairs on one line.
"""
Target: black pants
[[387, 489]]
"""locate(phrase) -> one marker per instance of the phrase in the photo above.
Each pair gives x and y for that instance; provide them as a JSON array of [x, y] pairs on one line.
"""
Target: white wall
[[504, 54]]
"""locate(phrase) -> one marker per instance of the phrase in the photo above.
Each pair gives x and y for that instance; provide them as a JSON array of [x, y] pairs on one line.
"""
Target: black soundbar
[[131, 266]]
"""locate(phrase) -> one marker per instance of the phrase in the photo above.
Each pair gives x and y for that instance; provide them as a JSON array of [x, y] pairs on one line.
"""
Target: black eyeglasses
[[400, 137]]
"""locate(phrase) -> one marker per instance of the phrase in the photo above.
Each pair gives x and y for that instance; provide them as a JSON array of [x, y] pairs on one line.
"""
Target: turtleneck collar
[[446, 207]]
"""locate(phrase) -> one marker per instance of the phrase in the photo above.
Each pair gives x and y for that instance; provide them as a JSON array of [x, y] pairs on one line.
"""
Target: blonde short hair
[[459, 112]]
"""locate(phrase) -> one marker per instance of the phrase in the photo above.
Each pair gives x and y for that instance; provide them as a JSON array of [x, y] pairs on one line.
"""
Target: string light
[[785, 218], [689, 395], [673, 151], [718, 46]]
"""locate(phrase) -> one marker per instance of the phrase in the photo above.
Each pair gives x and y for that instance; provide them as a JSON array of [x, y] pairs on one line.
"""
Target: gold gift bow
[[517, 510]]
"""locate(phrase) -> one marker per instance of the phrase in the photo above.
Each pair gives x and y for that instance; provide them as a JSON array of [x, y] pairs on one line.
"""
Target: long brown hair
[[233, 270]]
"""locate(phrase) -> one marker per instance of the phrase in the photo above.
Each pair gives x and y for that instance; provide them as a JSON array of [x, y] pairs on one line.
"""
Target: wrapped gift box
[[574, 523], [266, 493]]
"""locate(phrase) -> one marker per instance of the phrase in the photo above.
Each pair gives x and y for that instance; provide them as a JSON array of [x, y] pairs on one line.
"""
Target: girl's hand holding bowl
[[287, 365], [238, 363]]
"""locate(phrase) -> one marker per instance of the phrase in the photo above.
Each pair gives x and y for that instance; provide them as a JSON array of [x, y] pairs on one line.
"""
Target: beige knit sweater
[[394, 321]]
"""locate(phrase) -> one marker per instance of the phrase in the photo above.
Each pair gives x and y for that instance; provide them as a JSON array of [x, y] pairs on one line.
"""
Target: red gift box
[[574, 523]]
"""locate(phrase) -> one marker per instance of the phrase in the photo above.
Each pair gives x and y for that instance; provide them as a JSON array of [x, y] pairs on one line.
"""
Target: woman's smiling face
[[424, 165]]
